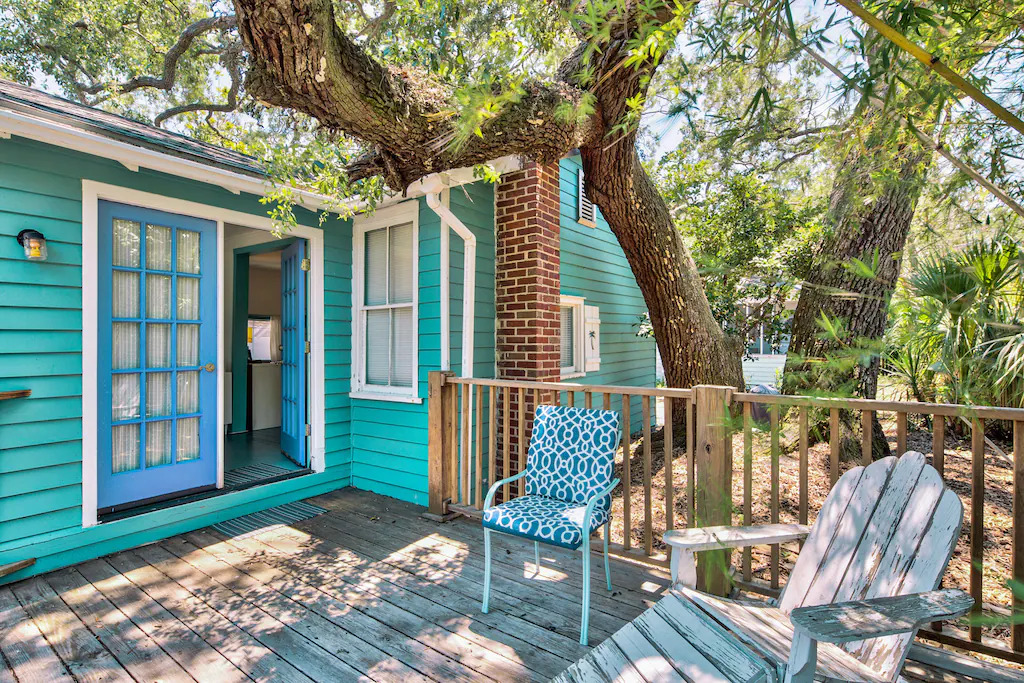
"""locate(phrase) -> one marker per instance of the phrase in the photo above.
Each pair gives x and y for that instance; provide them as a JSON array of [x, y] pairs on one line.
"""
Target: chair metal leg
[[585, 621], [487, 570], [536, 555], [607, 567]]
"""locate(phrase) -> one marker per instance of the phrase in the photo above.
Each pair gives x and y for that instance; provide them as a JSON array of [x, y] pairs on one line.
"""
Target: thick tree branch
[[232, 62], [165, 81], [301, 59]]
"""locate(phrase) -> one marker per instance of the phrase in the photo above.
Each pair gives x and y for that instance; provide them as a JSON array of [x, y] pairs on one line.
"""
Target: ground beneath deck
[[369, 589]]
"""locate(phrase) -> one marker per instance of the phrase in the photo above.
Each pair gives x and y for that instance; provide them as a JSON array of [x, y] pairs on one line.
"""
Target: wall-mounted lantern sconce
[[34, 244]]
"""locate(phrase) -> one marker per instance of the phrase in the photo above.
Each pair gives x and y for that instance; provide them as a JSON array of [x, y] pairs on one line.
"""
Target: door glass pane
[[125, 346], [378, 326], [188, 251], [126, 243], [188, 392], [188, 439], [188, 345], [377, 267], [124, 448], [188, 298], [158, 345], [401, 347], [401, 266], [158, 247], [158, 394], [126, 294], [124, 397], [158, 443], [158, 296]]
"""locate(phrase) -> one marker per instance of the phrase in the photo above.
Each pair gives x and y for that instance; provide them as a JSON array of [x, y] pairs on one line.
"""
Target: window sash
[[387, 255]]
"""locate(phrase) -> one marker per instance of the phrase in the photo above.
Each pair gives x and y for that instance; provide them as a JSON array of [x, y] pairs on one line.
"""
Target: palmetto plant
[[959, 333]]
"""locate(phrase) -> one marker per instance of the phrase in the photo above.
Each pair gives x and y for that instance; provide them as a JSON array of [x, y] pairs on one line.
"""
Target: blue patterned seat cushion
[[551, 521], [572, 452]]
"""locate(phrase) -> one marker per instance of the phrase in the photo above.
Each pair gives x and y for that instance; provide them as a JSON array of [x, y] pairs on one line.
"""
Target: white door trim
[[92, 193]]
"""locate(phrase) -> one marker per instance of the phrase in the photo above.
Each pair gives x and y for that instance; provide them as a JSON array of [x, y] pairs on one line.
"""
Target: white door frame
[[92, 193]]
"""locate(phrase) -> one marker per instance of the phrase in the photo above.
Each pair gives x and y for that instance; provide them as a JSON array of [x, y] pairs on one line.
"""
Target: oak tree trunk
[[869, 221]]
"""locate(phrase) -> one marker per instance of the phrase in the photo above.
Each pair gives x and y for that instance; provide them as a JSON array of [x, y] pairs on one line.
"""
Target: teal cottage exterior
[[187, 367]]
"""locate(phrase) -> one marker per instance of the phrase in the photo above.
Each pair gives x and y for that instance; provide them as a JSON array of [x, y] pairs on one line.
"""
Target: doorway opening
[[266, 388]]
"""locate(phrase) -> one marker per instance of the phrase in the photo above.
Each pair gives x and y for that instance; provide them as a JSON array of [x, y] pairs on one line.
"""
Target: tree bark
[[694, 350], [300, 58], [866, 217]]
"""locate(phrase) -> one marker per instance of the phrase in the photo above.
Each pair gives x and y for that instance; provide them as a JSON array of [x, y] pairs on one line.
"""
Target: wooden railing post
[[713, 489], [442, 453]]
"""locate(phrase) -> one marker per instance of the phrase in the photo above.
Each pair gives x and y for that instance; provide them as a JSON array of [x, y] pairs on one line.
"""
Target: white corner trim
[[391, 215], [92, 193]]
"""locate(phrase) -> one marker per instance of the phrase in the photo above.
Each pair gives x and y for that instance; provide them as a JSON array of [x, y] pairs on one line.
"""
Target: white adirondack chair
[[864, 582]]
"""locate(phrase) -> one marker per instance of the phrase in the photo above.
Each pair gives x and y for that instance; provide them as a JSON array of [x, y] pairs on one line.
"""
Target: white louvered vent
[[587, 213]]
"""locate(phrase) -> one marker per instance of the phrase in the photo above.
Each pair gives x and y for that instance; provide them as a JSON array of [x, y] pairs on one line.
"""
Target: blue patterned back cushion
[[572, 452]]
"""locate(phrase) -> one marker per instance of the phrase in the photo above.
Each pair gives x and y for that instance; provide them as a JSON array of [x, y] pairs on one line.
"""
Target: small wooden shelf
[[17, 393]]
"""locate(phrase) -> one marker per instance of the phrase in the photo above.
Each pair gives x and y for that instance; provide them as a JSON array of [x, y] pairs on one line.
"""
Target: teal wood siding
[[594, 267], [41, 350], [389, 439]]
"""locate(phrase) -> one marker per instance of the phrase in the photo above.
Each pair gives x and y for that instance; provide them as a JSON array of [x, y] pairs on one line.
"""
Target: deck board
[[368, 591]]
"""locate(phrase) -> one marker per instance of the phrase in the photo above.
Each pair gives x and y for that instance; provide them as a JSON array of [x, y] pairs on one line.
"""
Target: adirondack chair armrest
[[845, 622], [494, 487], [686, 543]]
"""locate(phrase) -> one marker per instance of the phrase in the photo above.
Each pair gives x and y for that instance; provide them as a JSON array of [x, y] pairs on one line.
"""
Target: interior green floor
[[262, 447]]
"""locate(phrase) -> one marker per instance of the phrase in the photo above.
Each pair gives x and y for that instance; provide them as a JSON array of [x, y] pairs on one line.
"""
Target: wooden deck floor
[[368, 590]]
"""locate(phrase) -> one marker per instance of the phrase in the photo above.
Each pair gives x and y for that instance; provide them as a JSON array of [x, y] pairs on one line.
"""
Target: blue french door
[[157, 426], [293, 352]]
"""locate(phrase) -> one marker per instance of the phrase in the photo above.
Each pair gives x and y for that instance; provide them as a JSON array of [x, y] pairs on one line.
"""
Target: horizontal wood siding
[[41, 350], [594, 267], [389, 439]]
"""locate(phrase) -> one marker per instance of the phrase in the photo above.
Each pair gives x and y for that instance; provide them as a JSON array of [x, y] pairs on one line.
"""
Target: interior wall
[[264, 290]]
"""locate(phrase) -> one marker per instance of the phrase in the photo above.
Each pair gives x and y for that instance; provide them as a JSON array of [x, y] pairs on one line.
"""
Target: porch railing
[[479, 432]]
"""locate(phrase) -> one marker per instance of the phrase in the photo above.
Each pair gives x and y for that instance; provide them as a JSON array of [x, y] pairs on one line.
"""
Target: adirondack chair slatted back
[[572, 452], [886, 529]]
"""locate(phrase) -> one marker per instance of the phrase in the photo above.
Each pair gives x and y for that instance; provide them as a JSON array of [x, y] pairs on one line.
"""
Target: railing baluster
[[691, 440], [492, 437], [645, 403], [452, 483], [775, 451], [867, 427], [466, 453], [627, 488], [833, 438], [748, 481], [522, 440], [570, 398], [977, 519], [478, 495], [670, 489], [588, 399], [1018, 533], [804, 486], [901, 433], [506, 446], [607, 397], [939, 463]]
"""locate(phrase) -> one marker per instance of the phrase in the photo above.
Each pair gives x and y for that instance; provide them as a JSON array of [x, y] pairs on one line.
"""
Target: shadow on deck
[[368, 590]]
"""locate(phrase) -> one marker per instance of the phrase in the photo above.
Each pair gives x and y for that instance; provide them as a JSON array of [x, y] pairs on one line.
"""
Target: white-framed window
[[384, 303], [586, 212], [571, 322]]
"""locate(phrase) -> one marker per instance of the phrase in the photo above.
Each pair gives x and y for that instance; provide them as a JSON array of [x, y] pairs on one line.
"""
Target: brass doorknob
[[210, 367]]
